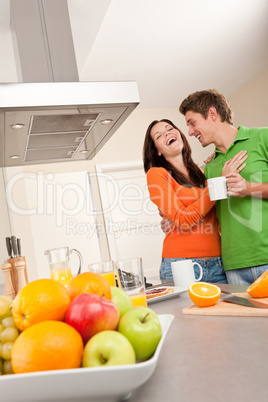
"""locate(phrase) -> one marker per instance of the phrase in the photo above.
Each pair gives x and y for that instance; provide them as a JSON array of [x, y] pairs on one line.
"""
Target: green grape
[[7, 298], [6, 350], [9, 334], [4, 307], [7, 367], [8, 322], [8, 314]]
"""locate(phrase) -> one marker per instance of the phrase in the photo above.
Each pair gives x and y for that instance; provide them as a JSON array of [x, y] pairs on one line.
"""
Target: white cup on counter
[[217, 188], [183, 273]]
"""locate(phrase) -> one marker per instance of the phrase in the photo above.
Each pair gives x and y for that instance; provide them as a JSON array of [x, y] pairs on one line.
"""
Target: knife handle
[[14, 245], [8, 244], [19, 247]]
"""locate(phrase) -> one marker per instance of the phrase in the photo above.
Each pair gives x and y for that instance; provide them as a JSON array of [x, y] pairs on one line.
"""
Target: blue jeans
[[212, 269], [245, 276]]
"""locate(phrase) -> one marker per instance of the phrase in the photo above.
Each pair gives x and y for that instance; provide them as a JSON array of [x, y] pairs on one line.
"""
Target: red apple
[[89, 314]]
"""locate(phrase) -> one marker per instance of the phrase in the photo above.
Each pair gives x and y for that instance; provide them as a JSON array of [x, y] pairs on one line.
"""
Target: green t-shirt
[[244, 221]]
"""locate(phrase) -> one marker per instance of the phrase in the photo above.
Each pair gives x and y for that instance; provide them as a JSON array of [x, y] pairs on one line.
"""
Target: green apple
[[141, 326], [108, 348], [121, 299]]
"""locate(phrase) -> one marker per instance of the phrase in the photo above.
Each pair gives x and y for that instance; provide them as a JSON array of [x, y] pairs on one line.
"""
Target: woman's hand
[[209, 158], [236, 164]]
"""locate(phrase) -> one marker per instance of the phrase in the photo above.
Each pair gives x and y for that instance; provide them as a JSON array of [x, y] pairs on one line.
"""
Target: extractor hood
[[50, 116], [60, 121]]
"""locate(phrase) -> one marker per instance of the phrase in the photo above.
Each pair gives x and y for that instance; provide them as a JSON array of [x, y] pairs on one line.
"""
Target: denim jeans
[[245, 276], [212, 270]]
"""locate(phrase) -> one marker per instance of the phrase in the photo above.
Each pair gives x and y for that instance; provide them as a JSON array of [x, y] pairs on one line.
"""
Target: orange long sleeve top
[[194, 215]]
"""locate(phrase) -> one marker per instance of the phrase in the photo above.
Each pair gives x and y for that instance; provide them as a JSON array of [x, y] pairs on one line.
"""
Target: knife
[[14, 245], [243, 301], [8, 244], [19, 247]]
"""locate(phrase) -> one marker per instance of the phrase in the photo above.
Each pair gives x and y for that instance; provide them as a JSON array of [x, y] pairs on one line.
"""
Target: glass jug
[[59, 264]]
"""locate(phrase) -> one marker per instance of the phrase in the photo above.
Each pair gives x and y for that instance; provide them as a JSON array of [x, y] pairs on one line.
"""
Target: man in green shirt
[[244, 215]]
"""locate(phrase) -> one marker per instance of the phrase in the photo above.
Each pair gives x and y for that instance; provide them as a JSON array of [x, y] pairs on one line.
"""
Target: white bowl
[[91, 384]]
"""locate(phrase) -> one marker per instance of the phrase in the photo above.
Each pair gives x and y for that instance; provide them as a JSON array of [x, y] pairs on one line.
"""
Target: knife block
[[9, 289], [14, 272]]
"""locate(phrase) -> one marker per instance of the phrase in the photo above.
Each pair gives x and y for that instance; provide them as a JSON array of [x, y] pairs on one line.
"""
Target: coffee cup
[[183, 273], [217, 188]]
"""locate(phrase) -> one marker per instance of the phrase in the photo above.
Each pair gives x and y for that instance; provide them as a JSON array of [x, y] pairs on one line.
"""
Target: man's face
[[200, 127]]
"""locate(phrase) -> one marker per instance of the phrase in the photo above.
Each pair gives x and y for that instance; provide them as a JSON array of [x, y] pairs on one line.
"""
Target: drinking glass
[[131, 279], [105, 269]]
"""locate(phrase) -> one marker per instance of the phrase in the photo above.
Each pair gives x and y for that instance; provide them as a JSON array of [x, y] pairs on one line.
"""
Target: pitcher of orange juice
[[59, 264]]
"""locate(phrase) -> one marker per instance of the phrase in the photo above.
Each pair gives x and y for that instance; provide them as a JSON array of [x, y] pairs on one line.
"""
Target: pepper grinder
[[9, 289], [20, 267]]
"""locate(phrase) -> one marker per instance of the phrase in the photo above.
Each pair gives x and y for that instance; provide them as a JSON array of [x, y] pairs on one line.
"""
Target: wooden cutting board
[[229, 309]]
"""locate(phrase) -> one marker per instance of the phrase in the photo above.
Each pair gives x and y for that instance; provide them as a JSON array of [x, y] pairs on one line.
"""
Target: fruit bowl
[[83, 383]]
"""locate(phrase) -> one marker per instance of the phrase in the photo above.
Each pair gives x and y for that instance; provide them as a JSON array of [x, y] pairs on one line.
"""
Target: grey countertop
[[209, 358]]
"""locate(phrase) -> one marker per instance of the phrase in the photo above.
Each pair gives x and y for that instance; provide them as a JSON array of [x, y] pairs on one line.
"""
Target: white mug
[[183, 273], [217, 188]]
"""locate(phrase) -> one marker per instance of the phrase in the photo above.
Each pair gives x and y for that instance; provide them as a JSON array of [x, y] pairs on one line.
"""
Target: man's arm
[[237, 186]]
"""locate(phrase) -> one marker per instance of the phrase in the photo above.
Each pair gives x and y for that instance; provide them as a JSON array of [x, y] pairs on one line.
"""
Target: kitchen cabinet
[[49, 210], [132, 220], [5, 230]]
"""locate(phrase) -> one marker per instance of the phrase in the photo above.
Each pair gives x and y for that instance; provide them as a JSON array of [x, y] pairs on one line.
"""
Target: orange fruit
[[204, 294], [259, 288], [40, 300], [48, 345], [89, 282]]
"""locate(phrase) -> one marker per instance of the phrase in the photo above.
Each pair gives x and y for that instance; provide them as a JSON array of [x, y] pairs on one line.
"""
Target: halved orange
[[204, 294], [259, 288]]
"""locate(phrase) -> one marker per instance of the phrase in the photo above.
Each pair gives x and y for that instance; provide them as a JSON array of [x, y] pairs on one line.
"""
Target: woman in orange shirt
[[178, 188]]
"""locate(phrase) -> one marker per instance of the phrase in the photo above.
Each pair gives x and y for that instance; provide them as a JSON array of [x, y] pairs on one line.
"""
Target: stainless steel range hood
[[59, 122], [56, 119]]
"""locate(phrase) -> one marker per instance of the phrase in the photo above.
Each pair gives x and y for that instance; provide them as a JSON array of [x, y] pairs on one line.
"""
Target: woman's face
[[167, 139]]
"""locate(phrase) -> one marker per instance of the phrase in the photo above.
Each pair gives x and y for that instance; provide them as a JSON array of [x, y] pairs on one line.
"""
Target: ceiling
[[170, 47]]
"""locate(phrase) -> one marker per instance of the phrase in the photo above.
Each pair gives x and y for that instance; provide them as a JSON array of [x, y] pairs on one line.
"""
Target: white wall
[[250, 105]]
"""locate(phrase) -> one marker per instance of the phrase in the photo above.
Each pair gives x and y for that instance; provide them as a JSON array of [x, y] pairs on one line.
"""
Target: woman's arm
[[170, 202]]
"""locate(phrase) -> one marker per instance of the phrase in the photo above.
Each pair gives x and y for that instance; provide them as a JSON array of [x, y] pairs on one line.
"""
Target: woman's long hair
[[152, 159]]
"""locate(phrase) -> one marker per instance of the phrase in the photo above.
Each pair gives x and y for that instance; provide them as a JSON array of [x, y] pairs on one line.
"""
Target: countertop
[[209, 358]]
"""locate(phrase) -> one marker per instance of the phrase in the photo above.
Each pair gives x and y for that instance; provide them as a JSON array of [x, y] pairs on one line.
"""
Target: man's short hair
[[201, 101]]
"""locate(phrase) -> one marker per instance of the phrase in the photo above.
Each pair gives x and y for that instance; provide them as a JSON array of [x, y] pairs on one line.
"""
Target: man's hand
[[167, 226], [237, 186]]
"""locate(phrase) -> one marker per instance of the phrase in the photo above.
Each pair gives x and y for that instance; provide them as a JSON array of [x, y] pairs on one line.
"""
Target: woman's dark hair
[[152, 159]]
